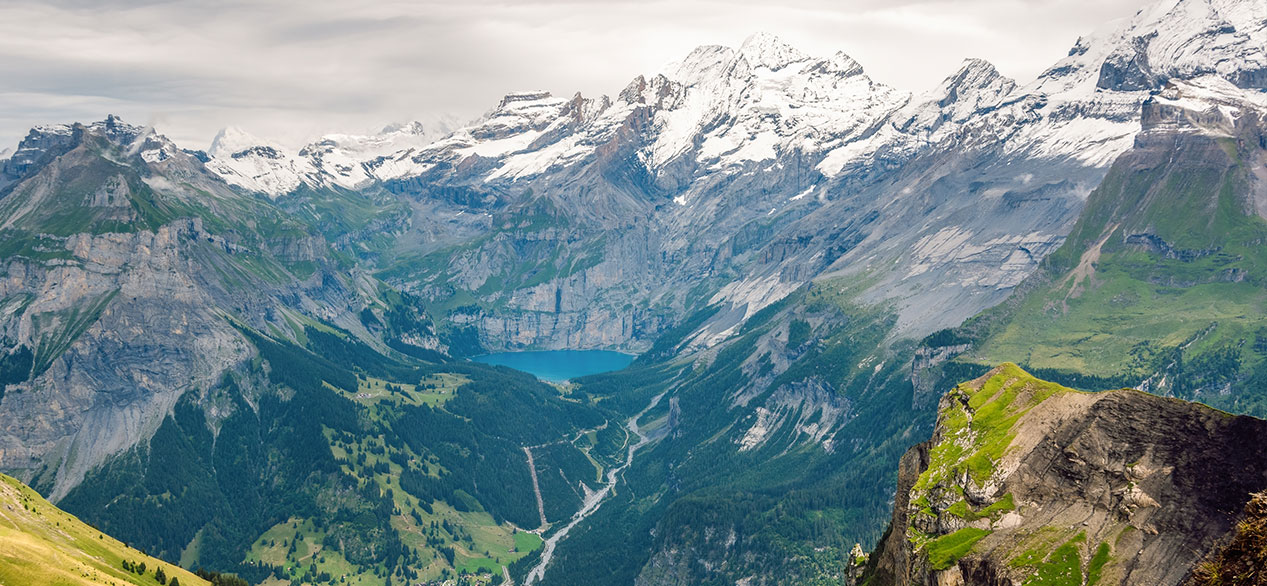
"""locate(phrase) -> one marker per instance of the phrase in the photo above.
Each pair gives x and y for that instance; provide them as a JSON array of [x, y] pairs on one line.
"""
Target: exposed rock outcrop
[[1024, 479]]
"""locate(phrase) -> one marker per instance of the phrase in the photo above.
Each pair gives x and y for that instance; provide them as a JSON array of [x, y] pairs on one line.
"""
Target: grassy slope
[[977, 431], [973, 444], [40, 544], [1124, 311], [361, 423]]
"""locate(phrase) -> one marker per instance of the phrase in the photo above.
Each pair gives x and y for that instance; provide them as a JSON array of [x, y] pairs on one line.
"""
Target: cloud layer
[[294, 69]]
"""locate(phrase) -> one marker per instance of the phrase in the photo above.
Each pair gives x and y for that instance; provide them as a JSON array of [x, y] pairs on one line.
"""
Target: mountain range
[[803, 257]]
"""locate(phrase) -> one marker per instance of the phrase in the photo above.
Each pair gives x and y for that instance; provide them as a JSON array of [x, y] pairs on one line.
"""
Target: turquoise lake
[[559, 365]]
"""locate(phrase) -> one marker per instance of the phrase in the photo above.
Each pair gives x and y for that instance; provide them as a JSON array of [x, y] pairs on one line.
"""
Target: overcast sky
[[294, 69]]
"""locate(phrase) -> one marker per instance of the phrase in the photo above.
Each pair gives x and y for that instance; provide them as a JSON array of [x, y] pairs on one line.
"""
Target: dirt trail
[[536, 489], [1085, 271]]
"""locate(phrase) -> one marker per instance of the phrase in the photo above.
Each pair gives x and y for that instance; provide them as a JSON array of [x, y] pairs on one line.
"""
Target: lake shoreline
[[559, 366]]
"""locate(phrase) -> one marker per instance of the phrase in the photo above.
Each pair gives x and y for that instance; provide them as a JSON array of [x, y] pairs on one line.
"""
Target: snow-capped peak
[[524, 96], [975, 86], [252, 163], [338, 160], [427, 131], [415, 127], [705, 62], [766, 50], [1170, 39], [232, 140], [844, 64]]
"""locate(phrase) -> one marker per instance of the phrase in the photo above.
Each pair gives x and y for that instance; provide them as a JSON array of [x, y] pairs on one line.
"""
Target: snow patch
[[802, 194]]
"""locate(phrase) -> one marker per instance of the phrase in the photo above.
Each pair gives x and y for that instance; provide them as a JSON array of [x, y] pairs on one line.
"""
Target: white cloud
[[298, 68]]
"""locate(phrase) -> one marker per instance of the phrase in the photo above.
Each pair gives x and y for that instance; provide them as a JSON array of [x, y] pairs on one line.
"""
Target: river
[[593, 501]]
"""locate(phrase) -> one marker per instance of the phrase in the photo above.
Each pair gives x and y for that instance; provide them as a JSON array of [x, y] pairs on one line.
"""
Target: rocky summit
[[1025, 481]]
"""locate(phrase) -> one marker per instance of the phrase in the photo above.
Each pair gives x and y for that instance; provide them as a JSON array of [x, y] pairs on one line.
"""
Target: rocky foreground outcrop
[[1243, 562], [1028, 482]]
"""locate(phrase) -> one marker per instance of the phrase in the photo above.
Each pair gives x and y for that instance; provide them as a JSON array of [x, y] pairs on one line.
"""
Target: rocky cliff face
[[126, 272], [1242, 560], [1025, 481]]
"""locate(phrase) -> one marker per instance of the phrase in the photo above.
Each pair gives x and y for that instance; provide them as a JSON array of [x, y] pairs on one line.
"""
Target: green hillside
[[43, 545], [356, 468], [794, 505], [1162, 283]]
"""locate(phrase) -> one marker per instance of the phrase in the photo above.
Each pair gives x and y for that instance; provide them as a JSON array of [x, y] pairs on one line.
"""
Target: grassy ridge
[[40, 544], [978, 425]]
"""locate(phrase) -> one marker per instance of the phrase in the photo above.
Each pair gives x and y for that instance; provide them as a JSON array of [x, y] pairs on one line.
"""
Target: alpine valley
[[255, 360]]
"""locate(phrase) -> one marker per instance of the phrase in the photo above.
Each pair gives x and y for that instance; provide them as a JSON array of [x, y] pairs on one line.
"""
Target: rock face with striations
[[1025, 481], [126, 273]]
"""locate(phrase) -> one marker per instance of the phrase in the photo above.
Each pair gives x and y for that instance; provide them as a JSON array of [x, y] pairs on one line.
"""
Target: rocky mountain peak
[[1170, 39], [977, 84], [974, 72], [118, 131], [415, 127], [523, 96], [974, 88], [430, 127], [232, 140], [764, 49], [58, 138], [705, 62], [40, 140], [844, 64]]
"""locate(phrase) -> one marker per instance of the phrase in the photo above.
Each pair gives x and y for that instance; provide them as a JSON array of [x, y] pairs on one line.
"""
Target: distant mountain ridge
[[759, 168], [705, 102]]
